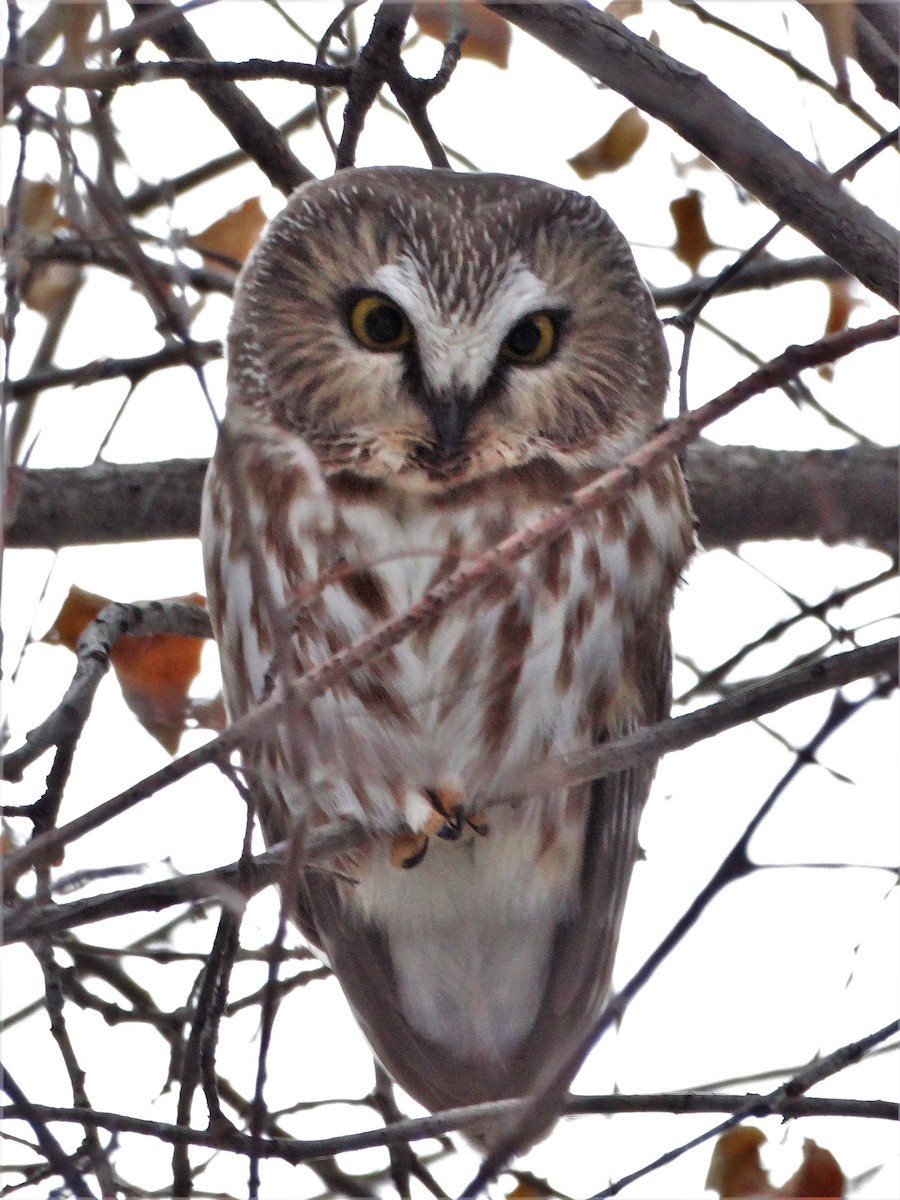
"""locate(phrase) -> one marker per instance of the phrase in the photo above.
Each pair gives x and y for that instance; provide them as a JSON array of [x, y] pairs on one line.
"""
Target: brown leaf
[[78, 610], [837, 19], [618, 146], [692, 241], [155, 671], [488, 35], [620, 9], [44, 285], [232, 236], [735, 1169], [48, 285], [841, 303], [39, 207], [818, 1178], [76, 22]]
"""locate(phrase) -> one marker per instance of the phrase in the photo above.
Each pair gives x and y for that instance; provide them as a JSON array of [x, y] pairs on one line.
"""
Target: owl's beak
[[449, 413]]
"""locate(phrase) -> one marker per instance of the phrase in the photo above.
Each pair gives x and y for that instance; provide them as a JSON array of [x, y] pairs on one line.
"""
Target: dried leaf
[[837, 19], [735, 1169], [530, 1187], [692, 241], [39, 207], [841, 304], [488, 35], [232, 236], [620, 9], [46, 284], [78, 610], [76, 22], [155, 671], [818, 1176], [618, 146]]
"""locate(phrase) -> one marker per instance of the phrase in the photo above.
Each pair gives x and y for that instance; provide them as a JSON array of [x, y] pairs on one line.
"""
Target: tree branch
[[740, 493], [296, 1150], [20, 78], [801, 193]]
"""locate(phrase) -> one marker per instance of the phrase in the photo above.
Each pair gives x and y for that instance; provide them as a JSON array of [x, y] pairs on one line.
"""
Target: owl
[[420, 363]]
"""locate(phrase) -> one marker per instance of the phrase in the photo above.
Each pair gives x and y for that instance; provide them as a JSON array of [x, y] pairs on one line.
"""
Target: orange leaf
[[618, 146], [232, 236], [78, 610], [841, 303], [818, 1176], [692, 240], [155, 671], [488, 35], [735, 1169]]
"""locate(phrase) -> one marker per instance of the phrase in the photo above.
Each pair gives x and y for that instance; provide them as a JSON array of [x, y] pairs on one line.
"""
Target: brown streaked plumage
[[419, 363]]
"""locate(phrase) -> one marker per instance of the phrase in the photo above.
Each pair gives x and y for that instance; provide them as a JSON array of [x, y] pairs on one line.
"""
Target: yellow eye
[[378, 324], [532, 340]]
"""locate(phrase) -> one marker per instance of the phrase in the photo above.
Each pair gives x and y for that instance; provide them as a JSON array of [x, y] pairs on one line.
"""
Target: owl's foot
[[448, 820], [447, 804], [478, 823], [408, 850]]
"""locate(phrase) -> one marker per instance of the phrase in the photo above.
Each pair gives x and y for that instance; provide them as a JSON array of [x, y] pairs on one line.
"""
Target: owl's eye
[[378, 324], [532, 340]]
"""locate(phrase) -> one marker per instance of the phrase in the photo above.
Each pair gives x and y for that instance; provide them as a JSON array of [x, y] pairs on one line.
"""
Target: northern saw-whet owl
[[421, 362]]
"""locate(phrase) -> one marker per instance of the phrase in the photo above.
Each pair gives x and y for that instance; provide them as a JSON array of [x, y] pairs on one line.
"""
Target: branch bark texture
[[740, 494]]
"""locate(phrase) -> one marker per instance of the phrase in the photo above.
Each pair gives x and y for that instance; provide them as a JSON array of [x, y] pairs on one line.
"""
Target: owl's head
[[434, 327]]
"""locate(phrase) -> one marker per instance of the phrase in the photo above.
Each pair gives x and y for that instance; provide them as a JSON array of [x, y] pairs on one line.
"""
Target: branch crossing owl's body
[[421, 363]]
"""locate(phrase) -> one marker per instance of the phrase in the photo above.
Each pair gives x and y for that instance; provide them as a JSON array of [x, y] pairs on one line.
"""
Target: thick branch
[[740, 494], [800, 193]]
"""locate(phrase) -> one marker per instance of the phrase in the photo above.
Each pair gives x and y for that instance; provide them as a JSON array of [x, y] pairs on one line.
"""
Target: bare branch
[[740, 493], [762, 272], [19, 79], [296, 1151], [102, 369]]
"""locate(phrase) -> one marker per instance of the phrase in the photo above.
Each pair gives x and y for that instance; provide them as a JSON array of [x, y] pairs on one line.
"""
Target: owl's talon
[[408, 850], [477, 822], [451, 830]]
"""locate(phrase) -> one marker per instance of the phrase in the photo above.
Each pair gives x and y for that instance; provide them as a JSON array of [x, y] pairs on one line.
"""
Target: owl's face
[[434, 328]]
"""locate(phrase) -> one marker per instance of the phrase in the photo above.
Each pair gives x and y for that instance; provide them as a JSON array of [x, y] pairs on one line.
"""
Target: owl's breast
[[544, 657]]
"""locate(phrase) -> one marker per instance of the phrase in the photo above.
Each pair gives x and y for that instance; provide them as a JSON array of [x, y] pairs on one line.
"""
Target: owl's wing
[[579, 969]]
